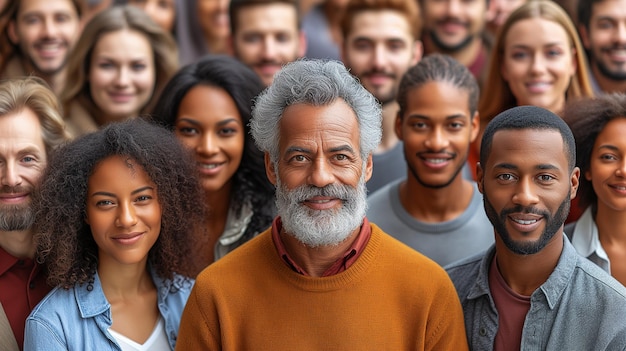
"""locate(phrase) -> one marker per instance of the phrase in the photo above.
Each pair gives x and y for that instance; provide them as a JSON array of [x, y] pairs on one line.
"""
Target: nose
[[620, 33], [10, 175], [437, 140], [380, 56], [269, 48], [50, 27], [321, 173], [621, 170], [123, 77], [525, 193], [538, 64], [126, 216], [207, 146], [454, 8]]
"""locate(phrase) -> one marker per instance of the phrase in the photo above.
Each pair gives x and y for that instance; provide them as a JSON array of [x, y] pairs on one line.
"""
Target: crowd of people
[[312, 174]]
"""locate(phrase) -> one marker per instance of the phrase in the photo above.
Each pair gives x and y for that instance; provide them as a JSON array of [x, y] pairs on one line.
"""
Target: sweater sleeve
[[446, 322], [198, 326]]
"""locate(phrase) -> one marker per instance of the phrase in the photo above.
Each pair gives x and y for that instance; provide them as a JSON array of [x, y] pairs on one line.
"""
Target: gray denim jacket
[[579, 307]]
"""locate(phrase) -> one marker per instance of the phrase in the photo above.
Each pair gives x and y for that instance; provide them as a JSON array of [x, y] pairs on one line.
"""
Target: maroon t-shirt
[[22, 286], [512, 309]]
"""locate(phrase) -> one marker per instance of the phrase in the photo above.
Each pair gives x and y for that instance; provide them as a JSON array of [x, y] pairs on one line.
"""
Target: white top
[[156, 342]]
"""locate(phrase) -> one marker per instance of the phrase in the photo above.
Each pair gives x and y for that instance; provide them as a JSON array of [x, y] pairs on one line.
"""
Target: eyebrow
[[454, 116], [542, 167], [610, 147], [104, 193], [293, 149], [220, 123]]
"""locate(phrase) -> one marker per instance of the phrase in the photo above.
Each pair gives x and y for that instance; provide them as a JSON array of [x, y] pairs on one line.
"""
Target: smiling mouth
[[211, 165], [524, 221]]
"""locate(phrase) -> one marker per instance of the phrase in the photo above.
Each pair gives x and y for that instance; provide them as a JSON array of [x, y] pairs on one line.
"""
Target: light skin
[[22, 160], [318, 146], [605, 39], [267, 37], [124, 214], [45, 32], [209, 125], [215, 24], [539, 63], [379, 49], [163, 12], [607, 174], [121, 75], [436, 129], [453, 27], [526, 175]]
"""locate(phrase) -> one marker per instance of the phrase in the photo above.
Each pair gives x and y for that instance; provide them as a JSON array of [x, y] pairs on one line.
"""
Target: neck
[[526, 273], [389, 138], [611, 225], [56, 81], [465, 56], [316, 260], [608, 85], [436, 205], [18, 244], [119, 280]]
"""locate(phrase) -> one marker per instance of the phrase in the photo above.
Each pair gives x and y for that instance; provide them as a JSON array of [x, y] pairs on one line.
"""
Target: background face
[[45, 31], [379, 49], [267, 37], [608, 167], [122, 74], [453, 24], [162, 12], [538, 63]]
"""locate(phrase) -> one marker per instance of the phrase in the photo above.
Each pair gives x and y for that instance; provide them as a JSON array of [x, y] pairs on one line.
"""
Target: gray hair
[[317, 83]]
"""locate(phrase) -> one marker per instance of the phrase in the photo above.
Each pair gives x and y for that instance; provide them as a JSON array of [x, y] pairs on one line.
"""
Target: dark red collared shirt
[[22, 286], [340, 265]]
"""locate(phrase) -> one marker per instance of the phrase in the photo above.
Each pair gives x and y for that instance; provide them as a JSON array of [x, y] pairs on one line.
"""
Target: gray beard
[[16, 218], [315, 228]]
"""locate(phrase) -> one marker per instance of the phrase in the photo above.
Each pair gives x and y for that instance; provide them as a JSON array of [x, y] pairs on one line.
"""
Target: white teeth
[[210, 166], [437, 160], [620, 188], [521, 221]]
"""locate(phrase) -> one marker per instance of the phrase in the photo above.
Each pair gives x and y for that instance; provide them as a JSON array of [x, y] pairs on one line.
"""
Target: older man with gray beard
[[322, 277]]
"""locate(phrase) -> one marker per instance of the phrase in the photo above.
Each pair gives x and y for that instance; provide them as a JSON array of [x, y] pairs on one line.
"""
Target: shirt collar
[[343, 263], [6, 261], [585, 236]]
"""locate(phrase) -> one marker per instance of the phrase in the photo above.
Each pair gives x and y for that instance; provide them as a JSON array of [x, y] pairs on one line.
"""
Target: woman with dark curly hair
[[115, 217], [599, 126], [208, 105]]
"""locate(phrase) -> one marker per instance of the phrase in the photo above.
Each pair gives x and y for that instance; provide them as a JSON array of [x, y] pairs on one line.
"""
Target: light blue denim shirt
[[579, 307], [79, 318]]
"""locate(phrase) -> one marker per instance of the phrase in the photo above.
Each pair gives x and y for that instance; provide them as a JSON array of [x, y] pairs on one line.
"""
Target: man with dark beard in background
[[531, 290], [322, 277]]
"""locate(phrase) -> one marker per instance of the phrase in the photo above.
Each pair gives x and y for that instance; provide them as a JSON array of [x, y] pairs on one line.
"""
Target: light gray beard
[[15, 218], [316, 228]]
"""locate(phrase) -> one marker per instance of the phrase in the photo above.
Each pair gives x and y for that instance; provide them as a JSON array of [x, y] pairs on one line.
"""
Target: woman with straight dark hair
[[208, 105]]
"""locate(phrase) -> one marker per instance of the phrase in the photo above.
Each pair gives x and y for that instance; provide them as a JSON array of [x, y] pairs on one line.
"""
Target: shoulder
[[465, 273], [590, 275]]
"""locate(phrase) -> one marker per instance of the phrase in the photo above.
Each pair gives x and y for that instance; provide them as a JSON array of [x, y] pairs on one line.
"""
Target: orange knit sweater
[[391, 298]]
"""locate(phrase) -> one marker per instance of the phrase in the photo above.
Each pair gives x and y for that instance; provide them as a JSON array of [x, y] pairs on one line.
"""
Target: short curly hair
[[64, 240]]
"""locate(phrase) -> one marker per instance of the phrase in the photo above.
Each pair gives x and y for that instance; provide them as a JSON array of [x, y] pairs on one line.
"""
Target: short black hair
[[529, 117], [587, 118], [583, 11], [438, 68]]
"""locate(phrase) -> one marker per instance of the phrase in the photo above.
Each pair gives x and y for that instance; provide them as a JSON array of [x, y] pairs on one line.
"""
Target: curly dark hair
[[250, 183], [64, 240], [587, 118]]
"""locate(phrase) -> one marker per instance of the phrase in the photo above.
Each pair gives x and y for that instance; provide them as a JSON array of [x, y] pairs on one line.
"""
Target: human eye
[[456, 125], [362, 45], [143, 198], [105, 65], [31, 19], [519, 55], [505, 177], [297, 159], [104, 203], [62, 18], [138, 66], [608, 157], [252, 38], [605, 24], [554, 52], [418, 125], [29, 159], [188, 131], [283, 37], [227, 131], [545, 178]]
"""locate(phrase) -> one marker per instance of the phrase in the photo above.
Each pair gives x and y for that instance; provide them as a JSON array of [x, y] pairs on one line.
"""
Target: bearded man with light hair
[[321, 277]]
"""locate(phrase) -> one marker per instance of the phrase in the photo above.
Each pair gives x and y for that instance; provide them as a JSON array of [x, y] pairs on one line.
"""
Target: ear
[[584, 36], [574, 182], [418, 51], [12, 32], [369, 167], [479, 177], [398, 126], [475, 124], [269, 169], [301, 44]]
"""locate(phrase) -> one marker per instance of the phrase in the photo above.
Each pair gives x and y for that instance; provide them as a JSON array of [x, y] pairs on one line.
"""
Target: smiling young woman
[[115, 226]]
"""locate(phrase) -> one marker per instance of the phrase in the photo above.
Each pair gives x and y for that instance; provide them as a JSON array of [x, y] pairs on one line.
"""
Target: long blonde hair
[[497, 95]]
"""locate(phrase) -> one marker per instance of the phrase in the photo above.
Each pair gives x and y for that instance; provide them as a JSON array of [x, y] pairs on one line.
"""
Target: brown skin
[[319, 130], [527, 168]]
